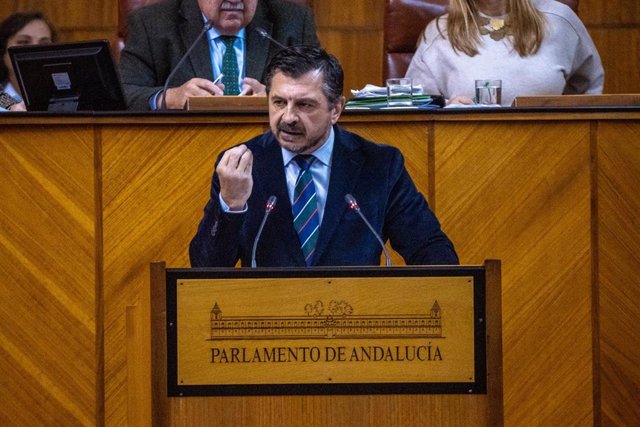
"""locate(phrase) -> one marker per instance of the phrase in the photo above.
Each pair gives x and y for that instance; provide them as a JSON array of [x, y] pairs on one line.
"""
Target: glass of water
[[399, 92], [489, 92]]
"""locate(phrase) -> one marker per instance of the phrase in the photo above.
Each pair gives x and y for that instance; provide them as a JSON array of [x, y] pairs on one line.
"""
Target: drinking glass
[[488, 92], [399, 92]]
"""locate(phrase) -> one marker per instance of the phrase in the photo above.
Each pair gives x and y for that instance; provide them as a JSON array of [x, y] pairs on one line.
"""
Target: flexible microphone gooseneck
[[206, 28], [266, 35], [271, 203], [353, 204]]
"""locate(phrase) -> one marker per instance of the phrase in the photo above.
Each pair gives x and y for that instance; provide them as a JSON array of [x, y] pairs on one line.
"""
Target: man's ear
[[337, 110]]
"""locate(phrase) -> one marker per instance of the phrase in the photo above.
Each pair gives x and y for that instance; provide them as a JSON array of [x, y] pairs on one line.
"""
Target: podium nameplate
[[325, 331]]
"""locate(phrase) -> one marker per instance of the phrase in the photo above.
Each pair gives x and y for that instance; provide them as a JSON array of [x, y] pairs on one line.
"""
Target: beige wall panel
[[47, 265], [609, 11], [515, 193], [154, 191], [619, 255], [359, 52], [620, 53]]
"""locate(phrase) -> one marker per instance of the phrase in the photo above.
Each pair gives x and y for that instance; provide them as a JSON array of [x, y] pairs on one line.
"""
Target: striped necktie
[[229, 66], [305, 208]]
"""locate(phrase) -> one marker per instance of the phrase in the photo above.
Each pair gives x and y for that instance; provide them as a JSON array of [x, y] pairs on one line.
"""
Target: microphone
[[271, 204], [207, 27], [353, 205], [263, 33]]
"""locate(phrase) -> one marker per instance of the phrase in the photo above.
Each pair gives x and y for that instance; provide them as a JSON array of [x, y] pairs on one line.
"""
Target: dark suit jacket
[[374, 174], [160, 34]]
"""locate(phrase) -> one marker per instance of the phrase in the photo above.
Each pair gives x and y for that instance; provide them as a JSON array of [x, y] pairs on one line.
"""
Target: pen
[[217, 80]]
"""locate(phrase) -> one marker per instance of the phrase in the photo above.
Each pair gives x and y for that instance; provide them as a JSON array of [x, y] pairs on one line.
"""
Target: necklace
[[497, 28]]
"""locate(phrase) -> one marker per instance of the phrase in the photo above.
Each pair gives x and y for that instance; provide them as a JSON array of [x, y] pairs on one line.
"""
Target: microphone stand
[[271, 204], [207, 27], [264, 34], [353, 204]]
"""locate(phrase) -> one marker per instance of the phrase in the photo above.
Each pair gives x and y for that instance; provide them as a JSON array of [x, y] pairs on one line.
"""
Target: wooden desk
[[88, 201]]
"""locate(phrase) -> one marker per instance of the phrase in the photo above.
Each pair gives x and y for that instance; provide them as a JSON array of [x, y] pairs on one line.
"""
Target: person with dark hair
[[295, 65], [19, 29], [312, 166], [229, 59]]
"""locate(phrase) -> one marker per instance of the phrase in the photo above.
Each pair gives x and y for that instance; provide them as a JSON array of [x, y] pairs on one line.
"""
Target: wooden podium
[[403, 346]]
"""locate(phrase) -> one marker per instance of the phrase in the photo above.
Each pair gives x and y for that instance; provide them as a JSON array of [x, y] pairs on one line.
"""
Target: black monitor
[[68, 77]]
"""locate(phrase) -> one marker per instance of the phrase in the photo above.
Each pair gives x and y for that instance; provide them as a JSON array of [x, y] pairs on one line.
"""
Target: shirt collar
[[322, 153], [214, 34]]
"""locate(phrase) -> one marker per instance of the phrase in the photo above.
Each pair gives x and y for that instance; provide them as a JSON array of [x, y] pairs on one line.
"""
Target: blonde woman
[[536, 47]]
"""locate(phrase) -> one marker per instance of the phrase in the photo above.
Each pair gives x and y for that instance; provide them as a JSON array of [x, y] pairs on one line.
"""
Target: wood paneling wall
[[74, 19], [88, 202], [67, 395], [493, 179], [353, 32], [614, 26], [49, 357], [618, 163]]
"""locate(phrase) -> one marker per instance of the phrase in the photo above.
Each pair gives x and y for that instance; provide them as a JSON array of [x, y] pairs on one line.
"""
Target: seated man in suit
[[160, 34], [309, 164]]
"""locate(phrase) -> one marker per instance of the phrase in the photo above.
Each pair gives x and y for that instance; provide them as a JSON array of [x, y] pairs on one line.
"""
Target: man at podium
[[293, 195]]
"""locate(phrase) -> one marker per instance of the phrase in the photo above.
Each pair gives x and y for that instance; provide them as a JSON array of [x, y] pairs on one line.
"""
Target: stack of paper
[[375, 97], [373, 91]]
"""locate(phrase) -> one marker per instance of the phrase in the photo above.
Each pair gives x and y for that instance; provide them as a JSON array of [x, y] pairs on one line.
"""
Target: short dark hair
[[10, 27], [299, 60]]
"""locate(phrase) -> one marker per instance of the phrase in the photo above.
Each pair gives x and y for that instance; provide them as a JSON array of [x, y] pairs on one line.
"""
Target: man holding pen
[[228, 60]]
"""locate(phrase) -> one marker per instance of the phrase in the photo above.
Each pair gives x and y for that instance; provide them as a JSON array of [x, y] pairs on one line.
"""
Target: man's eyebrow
[[303, 99], [309, 100]]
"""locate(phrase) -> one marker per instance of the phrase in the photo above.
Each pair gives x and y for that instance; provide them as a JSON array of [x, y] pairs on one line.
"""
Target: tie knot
[[304, 161], [228, 40]]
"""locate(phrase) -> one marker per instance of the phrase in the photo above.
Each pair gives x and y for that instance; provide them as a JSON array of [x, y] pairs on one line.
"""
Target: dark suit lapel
[[257, 48], [346, 164], [271, 170], [190, 29]]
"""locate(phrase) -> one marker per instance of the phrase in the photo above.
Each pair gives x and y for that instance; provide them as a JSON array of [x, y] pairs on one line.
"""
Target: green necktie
[[230, 66]]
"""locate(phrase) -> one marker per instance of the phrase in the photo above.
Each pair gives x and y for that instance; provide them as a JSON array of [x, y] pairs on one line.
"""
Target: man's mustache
[[227, 5], [290, 128]]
